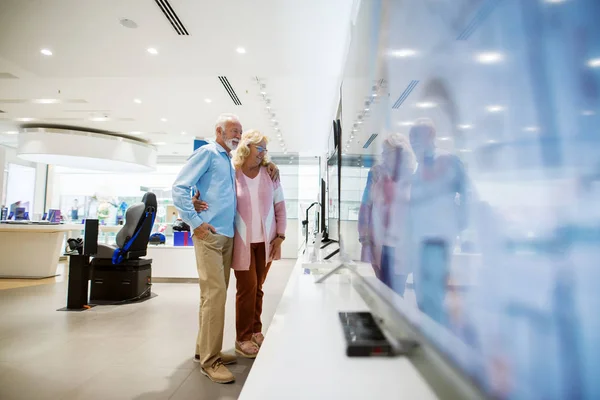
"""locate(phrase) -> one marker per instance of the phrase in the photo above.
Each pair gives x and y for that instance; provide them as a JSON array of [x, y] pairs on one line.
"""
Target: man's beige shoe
[[218, 373]]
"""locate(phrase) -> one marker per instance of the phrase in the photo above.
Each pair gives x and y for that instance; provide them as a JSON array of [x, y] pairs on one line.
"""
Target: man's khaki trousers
[[213, 261]]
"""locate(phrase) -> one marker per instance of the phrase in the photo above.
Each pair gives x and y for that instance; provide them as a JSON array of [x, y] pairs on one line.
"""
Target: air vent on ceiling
[[368, 142], [229, 88], [482, 13], [405, 94], [7, 75], [172, 17]]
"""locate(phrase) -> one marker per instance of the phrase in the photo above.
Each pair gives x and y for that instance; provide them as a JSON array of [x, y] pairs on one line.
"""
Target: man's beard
[[231, 144]]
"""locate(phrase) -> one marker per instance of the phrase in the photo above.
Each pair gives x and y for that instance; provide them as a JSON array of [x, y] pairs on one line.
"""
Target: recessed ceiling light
[[489, 57], [208, 100], [159, 143], [46, 101], [465, 126], [494, 108], [183, 132], [279, 135], [587, 113], [273, 120], [492, 141], [268, 108], [11, 132], [46, 52], [402, 53], [374, 95], [594, 63], [127, 23], [263, 93], [426, 104], [531, 129], [24, 119], [137, 101], [241, 50], [152, 50], [444, 139], [99, 119], [406, 123], [366, 109], [359, 122], [163, 120]]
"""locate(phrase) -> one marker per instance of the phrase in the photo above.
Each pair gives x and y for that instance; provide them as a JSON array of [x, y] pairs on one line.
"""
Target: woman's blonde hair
[[398, 140], [243, 150]]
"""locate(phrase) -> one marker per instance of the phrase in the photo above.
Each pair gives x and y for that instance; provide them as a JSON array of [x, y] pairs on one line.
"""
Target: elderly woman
[[260, 225]]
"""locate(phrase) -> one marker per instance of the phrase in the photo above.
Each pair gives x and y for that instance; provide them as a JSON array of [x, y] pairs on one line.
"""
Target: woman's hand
[[275, 245], [273, 171], [199, 205]]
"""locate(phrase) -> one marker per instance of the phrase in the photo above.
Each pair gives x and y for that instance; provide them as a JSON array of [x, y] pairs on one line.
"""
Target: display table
[[173, 262], [303, 356], [32, 251]]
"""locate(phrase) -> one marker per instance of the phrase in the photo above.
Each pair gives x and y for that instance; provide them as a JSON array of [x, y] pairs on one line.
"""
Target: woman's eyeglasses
[[261, 149]]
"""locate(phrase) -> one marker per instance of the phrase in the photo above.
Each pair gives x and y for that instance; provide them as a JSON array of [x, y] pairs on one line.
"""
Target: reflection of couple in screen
[[410, 217], [383, 211]]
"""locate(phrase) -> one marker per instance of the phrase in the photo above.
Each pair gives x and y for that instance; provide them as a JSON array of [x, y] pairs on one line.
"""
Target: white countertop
[[53, 228], [304, 357]]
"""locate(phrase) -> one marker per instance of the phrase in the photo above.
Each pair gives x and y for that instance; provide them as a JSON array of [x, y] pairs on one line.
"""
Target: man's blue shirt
[[210, 171]]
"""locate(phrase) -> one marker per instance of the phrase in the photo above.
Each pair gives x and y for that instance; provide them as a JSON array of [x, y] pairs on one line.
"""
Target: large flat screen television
[[489, 247], [334, 164]]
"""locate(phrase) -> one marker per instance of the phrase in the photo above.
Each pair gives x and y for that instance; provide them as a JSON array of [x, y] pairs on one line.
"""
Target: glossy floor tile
[[135, 351]]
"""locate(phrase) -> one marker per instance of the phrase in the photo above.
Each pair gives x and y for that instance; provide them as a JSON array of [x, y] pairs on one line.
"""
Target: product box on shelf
[[182, 239]]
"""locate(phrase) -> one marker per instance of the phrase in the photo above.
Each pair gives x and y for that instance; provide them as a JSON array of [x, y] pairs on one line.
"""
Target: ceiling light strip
[[172, 17], [229, 88], [411, 86]]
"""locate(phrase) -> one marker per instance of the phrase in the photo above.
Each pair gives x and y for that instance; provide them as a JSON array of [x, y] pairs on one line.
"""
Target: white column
[[39, 196], [3, 167]]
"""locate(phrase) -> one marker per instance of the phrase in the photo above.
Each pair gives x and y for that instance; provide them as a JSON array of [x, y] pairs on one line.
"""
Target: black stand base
[[77, 309], [79, 274]]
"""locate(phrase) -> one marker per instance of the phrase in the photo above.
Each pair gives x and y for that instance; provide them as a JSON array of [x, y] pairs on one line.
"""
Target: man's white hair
[[224, 119], [424, 123]]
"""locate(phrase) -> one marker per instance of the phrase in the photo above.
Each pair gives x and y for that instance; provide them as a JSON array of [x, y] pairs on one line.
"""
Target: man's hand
[[199, 205], [275, 245], [273, 171], [202, 230]]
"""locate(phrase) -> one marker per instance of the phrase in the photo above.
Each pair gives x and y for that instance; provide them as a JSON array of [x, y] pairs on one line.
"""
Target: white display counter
[[172, 261], [304, 357], [32, 251]]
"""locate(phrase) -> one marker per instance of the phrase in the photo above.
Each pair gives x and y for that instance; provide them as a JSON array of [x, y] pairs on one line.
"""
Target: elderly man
[[437, 214], [209, 171]]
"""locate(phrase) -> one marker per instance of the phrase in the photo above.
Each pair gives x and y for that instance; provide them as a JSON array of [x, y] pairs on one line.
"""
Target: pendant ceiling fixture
[[70, 147]]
